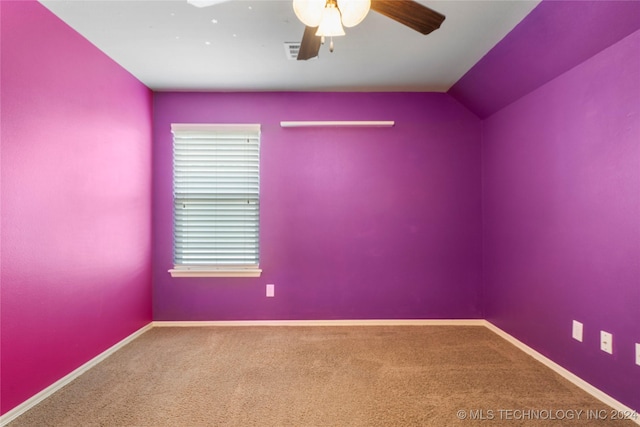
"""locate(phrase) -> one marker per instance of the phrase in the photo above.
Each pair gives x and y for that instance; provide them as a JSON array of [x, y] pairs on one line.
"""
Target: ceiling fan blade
[[205, 3], [310, 44], [409, 13]]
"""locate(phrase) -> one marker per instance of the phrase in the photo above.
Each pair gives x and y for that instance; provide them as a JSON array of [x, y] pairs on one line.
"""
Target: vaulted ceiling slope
[[555, 37]]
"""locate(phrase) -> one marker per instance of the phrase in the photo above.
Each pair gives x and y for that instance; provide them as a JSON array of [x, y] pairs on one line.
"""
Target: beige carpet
[[319, 376]]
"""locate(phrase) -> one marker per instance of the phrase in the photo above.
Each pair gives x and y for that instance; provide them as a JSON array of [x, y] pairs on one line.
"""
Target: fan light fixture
[[330, 24], [330, 15]]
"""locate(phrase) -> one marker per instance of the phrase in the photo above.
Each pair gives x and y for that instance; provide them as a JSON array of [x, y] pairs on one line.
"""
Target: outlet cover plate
[[606, 342], [271, 290], [576, 333]]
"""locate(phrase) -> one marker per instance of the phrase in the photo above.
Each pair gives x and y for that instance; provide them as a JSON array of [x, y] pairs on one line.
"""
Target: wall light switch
[[577, 331], [606, 342], [638, 354], [271, 290]]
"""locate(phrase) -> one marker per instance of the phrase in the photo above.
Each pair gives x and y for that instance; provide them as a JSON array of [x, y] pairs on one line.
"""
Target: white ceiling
[[171, 45]]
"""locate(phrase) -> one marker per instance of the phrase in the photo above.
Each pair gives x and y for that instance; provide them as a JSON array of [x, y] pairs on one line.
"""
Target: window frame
[[215, 269]]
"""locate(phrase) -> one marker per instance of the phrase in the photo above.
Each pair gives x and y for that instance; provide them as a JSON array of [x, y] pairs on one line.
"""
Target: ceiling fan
[[325, 18]]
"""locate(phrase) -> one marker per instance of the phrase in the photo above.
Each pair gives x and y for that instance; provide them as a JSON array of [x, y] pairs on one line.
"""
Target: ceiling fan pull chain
[[331, 45]]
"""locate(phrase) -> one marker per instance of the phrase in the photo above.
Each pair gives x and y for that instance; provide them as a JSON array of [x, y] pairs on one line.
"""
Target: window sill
[[215, 272]]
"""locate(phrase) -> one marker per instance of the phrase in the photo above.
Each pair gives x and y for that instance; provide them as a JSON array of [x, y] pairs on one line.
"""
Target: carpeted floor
[[320, 376]]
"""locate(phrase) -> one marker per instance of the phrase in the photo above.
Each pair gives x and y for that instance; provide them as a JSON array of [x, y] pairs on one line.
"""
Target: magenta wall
[[355, 223], [561, 205], [76, 180]]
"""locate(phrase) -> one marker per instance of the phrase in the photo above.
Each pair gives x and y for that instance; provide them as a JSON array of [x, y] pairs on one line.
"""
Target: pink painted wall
[[561, 230], [355, 223], [76, 180]]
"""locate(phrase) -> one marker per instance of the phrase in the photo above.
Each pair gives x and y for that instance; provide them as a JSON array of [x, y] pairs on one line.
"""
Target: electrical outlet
[[606, 342], [271, 290], [638, 354], [576, 333]]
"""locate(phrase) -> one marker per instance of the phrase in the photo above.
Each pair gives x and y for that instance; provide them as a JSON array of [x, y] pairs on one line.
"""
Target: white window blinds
[[216, 192]]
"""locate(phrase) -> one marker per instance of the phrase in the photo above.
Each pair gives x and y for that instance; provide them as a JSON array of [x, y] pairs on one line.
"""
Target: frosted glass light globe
[[309, 11], [330, 25], [353, 11]]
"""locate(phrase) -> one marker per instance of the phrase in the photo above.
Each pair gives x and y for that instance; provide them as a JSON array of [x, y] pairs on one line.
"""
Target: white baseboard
[[576, 380], [347, 322], [34, 400]]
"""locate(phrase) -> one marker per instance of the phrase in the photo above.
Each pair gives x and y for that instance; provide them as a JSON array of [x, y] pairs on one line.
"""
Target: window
[[216, 199]]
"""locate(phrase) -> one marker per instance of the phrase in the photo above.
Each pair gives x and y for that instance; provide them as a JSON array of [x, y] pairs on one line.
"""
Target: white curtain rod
[[299, 124]]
